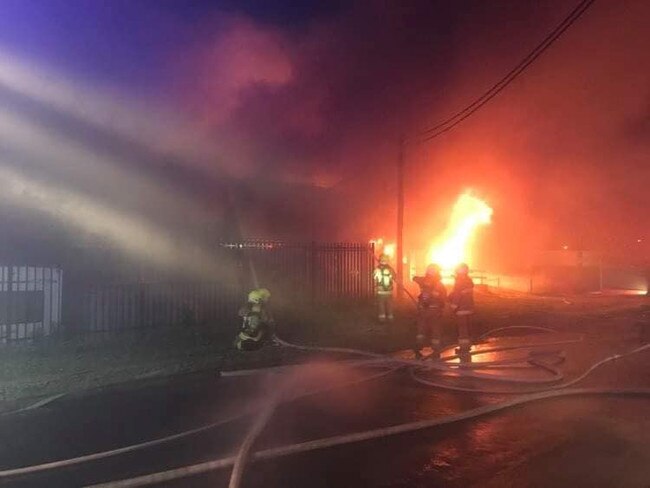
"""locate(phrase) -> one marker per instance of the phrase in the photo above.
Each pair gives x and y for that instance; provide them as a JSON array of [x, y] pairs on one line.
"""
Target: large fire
[[455, 244]]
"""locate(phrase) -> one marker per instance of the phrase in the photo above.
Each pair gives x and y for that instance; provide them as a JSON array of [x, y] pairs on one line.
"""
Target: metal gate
[[30, 301]]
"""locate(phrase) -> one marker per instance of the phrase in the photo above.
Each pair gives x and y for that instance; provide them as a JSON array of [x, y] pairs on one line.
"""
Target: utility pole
[[400, 219]]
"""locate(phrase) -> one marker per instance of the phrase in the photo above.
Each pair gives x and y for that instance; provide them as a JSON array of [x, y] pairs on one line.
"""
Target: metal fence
[[296, 273], [308, 272], [115, 306], [96, 297], [30, 301]]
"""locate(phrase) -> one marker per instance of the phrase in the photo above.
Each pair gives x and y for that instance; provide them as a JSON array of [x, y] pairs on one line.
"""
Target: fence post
[[141, 321], [313, 277]]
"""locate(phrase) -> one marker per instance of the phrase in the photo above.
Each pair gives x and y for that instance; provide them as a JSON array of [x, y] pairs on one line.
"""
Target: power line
[[457, 118]]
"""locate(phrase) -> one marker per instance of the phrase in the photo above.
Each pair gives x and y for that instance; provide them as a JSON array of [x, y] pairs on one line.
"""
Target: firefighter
[[384, 276], [257, 322], [461, 300], [431, 305]]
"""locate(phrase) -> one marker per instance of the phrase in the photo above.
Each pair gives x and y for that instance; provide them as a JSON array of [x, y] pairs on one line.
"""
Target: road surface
[[577, 442]]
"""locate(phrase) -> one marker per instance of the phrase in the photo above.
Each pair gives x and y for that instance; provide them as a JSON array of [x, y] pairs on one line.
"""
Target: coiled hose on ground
[[555, 390], [546, 362], [556, 375]]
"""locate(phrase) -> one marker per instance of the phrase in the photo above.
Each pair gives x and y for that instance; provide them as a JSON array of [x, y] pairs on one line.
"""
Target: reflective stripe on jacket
[[384, 277]]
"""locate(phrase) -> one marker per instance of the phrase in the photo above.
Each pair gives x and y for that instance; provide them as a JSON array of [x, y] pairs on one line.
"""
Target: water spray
[[557, 391], [132, 235]]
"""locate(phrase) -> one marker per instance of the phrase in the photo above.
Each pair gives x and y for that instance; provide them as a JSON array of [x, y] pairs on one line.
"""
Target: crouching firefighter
[[431, 305], [461, 300], [257, 322], [384, 277]]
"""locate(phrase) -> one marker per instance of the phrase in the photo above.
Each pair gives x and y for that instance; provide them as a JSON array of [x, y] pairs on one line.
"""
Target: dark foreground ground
[[576, 442], [61, 364]]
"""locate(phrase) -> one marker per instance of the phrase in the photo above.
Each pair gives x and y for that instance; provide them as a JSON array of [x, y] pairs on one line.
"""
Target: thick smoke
[[561, 154], [306, 109]]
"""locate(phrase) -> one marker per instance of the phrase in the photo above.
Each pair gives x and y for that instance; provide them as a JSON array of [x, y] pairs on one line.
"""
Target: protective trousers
[[429, 327], [463, 320], [384, 306]]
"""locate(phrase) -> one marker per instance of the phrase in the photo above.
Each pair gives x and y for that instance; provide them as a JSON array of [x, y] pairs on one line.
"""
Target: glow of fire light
[[383, 247], [455, 244], [389, 250]]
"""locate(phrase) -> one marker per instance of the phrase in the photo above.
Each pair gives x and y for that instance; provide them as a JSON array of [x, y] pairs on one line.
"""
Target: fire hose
[[356, 437], [375, 359], [244, 452], [63, 463], [556, 391]]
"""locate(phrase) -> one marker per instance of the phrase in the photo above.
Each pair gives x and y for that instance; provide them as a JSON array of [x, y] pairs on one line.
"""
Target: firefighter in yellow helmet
[[257, 322], [384, 278], [461, 300]]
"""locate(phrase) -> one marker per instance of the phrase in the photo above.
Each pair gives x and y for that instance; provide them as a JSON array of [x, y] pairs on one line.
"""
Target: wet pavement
[[582, 441]]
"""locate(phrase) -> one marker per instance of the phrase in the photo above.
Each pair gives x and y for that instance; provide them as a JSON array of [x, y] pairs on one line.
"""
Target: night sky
[[317, 93]]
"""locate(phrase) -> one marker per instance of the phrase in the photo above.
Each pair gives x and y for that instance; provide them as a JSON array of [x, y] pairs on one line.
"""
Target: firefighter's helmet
[[462, 269], [384, 258], [433, 270], [259, 295]]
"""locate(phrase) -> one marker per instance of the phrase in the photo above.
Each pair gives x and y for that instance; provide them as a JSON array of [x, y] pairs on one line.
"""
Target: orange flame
[[455, 244]]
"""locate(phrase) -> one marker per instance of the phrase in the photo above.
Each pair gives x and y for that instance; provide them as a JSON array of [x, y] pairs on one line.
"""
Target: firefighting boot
[[420, 341], [464, 346], [436, 349], [464, 349]]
